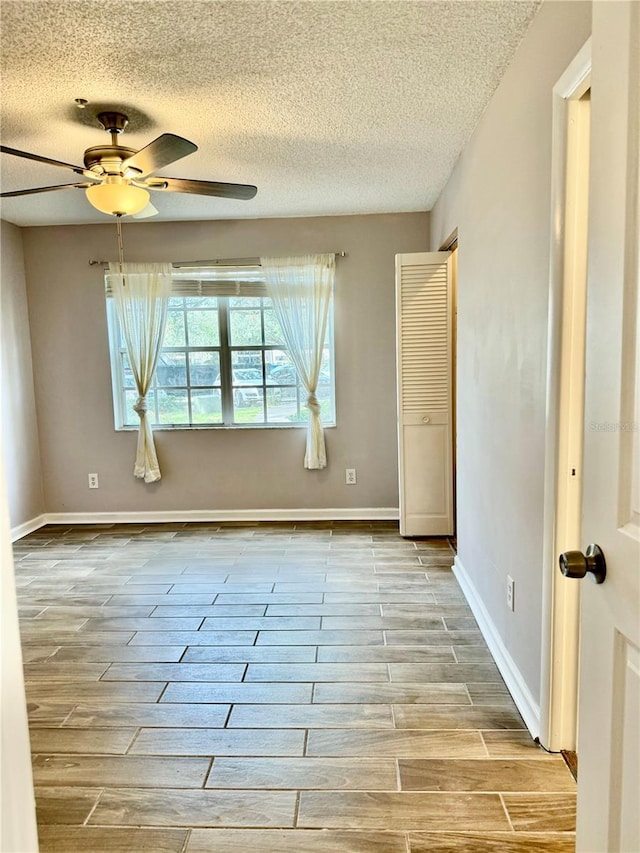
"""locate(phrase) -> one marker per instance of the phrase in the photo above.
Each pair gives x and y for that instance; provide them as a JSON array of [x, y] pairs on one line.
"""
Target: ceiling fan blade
[[211, 188], [44, 190], [146, 212], [161, 152], [27, 156]]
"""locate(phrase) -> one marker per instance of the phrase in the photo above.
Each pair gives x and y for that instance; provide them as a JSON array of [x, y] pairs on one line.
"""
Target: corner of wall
[[20, 436]]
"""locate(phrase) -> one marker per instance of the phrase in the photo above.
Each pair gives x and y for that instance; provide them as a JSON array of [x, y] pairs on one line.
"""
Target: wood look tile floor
[[271, 688]]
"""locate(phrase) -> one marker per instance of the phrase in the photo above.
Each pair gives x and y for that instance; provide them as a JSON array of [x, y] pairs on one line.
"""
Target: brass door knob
[[575, 564]]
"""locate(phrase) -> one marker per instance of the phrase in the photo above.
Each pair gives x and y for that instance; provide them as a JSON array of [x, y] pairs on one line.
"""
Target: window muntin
[[223, 363]]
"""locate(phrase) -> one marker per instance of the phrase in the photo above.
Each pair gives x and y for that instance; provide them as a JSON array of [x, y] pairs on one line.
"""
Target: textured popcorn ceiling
[[329, 108]]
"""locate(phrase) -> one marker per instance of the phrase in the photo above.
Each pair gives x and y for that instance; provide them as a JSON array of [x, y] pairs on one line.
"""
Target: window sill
[[244, 427]]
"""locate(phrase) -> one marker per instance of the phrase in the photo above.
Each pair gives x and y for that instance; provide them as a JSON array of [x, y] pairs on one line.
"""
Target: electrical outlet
[[511, 592], [350, 476], [93, 481]]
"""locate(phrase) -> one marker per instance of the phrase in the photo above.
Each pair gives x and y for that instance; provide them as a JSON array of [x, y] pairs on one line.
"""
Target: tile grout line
[[187, 840], [506, 811], [398, 776], [207, 774], [134, 738], [162, 692], [93, 807]]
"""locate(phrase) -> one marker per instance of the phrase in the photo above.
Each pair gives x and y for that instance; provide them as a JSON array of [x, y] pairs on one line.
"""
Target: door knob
[[575, 564]]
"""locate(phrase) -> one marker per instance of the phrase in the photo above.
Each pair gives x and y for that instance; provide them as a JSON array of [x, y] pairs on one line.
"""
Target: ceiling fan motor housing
[[107, 158]]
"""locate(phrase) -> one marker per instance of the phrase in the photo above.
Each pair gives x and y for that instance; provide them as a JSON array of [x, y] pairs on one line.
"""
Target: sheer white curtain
[[141, 294], [301, 289]]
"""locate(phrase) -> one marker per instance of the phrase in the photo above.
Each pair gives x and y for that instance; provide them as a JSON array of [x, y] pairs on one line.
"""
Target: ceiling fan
[[119, 178]]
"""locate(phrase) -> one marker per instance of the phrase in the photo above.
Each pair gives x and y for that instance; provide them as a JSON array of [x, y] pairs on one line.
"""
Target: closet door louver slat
[[424, 364]]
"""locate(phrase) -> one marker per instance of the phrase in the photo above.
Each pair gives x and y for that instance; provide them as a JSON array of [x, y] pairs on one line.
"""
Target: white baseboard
[[27, 527], [212, 515], [516, 684]]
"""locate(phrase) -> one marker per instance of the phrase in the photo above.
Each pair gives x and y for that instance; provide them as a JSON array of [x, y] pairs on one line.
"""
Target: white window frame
[[223, 284]]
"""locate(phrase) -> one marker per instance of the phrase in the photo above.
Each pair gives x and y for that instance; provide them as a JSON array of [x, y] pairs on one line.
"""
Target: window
[[223, 363]]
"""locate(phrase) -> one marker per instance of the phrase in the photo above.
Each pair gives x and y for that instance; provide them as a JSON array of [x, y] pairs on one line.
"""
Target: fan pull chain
[[120, 246]]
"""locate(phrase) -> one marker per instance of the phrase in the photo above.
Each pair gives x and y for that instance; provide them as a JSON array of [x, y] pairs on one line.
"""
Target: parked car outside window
[[246, 396]]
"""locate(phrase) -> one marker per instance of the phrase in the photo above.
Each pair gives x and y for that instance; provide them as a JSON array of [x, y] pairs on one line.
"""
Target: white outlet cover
[[511, 593]]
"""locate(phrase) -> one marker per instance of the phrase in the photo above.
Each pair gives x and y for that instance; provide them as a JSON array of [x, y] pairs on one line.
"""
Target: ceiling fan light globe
[[117, 199]]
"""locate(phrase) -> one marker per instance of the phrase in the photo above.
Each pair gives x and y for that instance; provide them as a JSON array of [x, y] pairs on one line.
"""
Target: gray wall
[[223, 468], [17, 401], [499, 199]]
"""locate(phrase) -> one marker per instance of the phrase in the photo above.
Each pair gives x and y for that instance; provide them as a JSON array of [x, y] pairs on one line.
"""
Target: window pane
[[247, 360], [244, 379], [323, 394], [286, 394], [202, 302], [206, 406], [282, 371], [130, 417], [203, 328], [325, 367], [245, 328], [244, 301], [272, 331], [248, 396], [282, 405], [248, 405], [176, 302], [171, 369], [204, 368], [173, 406], [127, 373], [174, 333]]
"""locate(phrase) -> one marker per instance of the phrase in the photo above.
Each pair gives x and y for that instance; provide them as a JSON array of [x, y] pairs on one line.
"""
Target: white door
[[609, 717], [424, 359]]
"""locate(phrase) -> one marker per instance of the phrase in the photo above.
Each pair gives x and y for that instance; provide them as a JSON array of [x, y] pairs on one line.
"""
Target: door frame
[[18, 813], [451, 245], [560, 597]]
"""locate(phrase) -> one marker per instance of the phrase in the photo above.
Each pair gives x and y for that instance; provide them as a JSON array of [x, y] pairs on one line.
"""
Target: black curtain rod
[[218, 262]]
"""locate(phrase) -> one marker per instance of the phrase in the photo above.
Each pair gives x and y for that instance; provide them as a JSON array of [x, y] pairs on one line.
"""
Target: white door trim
[[560, 597], [18, 805]]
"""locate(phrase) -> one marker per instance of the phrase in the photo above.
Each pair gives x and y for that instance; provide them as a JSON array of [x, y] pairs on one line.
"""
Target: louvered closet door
[[424, 360]]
